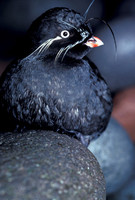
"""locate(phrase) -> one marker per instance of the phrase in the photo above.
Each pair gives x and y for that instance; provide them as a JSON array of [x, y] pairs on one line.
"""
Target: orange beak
[[94, 42]]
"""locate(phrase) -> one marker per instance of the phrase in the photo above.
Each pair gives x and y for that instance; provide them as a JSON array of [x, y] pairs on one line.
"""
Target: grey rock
[[126, 193], [45, 165], [116, 155]]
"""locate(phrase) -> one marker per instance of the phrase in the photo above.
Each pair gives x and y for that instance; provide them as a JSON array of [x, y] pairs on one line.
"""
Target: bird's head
[[61, 32]]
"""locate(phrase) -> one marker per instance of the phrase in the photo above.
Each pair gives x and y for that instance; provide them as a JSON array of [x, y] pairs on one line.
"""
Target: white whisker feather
[[66, 49], [44, 46], [71, 46], [66, 23], [59, 53]]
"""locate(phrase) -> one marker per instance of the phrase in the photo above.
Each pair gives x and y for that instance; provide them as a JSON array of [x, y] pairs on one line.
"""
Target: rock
[[116, 155], [118, 72], [124, 110], [46, 165], [126, 193]]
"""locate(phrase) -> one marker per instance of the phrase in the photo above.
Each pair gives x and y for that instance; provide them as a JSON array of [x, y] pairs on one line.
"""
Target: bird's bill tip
[[94, 42]]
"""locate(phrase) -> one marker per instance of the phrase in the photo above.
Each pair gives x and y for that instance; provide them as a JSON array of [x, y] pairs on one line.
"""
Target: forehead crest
[[66, 15], [72, 18]]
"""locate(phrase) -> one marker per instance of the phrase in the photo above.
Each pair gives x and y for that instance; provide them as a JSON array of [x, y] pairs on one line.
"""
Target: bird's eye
[[65, 34]]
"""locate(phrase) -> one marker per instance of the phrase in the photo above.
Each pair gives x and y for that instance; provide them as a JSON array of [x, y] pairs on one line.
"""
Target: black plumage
[[53, 85]]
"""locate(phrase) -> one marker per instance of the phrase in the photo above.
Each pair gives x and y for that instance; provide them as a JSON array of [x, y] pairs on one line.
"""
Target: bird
[[53, 85]]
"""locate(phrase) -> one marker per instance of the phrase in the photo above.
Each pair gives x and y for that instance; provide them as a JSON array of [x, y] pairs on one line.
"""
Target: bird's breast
[[73, 97]]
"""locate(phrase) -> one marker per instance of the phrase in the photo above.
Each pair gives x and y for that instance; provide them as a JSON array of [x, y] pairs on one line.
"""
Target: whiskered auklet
[[53, 85]]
